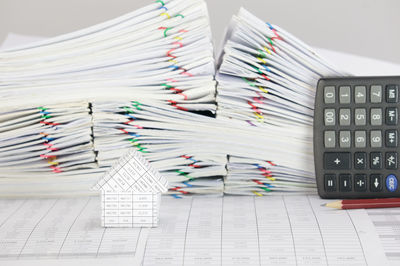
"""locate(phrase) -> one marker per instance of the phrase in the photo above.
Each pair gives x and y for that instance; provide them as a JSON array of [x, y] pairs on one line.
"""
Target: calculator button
[[360, 160], [360, 139], [376, 138], [391, 138], [329, 94], [344, 139], [345, 183], [376, 116], [391, 183], [360, 94], [375, 181], [337, 160], [360, 115], [344, 117], [376, 94], [391, 160], [392, 92], [391, 116], [330, 182], [329, 117], [330, 139], [360, 182], [344, 94], [376, 160]]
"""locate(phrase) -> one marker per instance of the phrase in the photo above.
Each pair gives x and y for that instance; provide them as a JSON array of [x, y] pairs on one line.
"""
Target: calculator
[[356, 137]]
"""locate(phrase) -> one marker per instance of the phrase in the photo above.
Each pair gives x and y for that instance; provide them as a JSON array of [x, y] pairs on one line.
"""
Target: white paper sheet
[[64, 232], [275, 230], [387, 222]]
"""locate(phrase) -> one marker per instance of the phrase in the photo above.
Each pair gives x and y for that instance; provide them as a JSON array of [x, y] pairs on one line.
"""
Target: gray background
[[363, 27]]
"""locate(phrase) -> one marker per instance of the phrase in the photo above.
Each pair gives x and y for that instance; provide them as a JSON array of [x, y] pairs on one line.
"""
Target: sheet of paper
[[64, 232], [273, 230], [387, 222]]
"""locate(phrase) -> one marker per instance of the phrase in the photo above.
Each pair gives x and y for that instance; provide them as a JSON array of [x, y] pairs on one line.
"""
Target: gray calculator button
[[376, 116], [376, 139], [360, 139], [376, 93], [360, 117], [344, 139], [344, 94], [360, 94], [392, 93], [391, 138], [329, 117], [329, 94], [391, 116], [330, 139], [344, 117]]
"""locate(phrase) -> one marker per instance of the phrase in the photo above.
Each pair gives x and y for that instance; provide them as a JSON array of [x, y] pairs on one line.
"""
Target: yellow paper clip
[[266, 49], [258, 194], [262, 89], [165, 14]]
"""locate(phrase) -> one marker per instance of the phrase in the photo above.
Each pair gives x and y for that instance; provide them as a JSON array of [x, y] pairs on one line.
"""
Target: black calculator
[[356, 137]]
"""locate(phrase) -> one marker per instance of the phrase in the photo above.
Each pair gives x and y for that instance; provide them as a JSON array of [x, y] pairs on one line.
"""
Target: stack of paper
[[267, 78], [60, 94], [174, 141], [73, 104], [162, 52], [48, 144]]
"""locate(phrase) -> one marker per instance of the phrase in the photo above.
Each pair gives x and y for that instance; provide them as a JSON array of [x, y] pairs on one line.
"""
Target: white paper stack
[[176, 142], [267, 79], [161, 54]]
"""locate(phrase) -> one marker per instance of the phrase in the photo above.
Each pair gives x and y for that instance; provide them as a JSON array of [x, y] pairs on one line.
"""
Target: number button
[[376, 94], [375, 182], [344, 139], [391, 160], [329, 139], [376, 139], [329, 94], [344, 117], [392, 92], [337, 160], [360, 183], [360, 116], [330, 183], [360, 94], [360, 160], [344, 94], [329, 117], [391, 116], [391, 138], [376, 160], [345, 182], [376, 117], [360, 139]]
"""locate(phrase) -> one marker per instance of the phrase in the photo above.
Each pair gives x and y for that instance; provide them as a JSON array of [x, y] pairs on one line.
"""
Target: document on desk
[[387, 224], [273, 230], [64, 232]]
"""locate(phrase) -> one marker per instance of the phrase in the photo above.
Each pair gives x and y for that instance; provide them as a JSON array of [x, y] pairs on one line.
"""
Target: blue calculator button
[[391, 183]]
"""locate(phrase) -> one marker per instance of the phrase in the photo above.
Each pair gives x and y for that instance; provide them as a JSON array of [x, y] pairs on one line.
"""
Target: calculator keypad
[[356, 137]]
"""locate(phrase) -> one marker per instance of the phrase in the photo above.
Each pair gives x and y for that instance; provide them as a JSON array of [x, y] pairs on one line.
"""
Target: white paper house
[[131, 193]]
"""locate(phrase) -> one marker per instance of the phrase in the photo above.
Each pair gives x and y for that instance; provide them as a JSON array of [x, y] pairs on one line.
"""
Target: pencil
[[365, 203]]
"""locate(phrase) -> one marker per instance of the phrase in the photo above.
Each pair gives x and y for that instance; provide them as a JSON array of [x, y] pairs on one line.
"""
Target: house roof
[[132, 172]]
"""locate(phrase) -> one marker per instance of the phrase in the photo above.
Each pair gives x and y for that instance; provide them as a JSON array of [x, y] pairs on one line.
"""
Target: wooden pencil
[[365, 203]]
